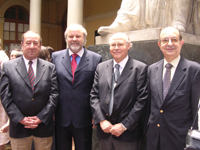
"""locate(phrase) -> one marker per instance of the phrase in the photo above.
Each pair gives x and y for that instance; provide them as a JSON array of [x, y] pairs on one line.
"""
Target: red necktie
[[73, 65], [31, 75]]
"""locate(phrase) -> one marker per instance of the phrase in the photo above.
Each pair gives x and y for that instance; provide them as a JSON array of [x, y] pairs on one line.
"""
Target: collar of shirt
[[122, 64], [80, 53], [33, 65], [174, 63]]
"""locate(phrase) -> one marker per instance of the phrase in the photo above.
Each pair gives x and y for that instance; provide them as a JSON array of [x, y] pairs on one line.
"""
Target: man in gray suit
[[29, 95], [118, 97], [174, 84]]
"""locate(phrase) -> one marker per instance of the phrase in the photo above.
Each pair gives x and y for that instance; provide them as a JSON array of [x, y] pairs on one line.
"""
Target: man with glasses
[[118, 97], [174, 85]]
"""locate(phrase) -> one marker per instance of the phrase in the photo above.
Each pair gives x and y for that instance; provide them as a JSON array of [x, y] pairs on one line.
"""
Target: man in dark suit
[[118, 97], [174, 87], [29, 93], [75, 69]]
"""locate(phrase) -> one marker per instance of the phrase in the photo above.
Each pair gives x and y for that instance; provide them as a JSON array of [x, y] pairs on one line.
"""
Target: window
[[16, 23]]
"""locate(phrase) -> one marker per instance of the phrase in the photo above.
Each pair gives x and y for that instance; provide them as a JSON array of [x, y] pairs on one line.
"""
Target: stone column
[[1, 33], [75, 12], [35, 16]]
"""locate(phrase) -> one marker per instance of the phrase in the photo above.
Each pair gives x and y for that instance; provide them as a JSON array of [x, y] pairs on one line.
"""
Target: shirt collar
[[122, 63], [80, 53], [27, 61], [174, 62]]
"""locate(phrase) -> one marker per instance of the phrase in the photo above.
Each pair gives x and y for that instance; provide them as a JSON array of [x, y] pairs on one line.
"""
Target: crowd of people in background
[[72, 88]]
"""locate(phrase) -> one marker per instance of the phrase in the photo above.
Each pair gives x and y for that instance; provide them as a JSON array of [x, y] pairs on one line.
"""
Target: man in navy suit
[[30, 104], [118, 99], [75, 68], [172, 106]]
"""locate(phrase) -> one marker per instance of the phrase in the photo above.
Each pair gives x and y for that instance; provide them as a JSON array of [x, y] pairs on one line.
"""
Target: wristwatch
[[123, 127]]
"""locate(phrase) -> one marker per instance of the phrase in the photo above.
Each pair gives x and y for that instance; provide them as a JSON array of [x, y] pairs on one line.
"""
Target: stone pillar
[[1, 31], [35, 16], [75, 12]]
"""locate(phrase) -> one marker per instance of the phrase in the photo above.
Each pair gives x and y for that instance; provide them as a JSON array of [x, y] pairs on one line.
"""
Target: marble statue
[[144, 14]]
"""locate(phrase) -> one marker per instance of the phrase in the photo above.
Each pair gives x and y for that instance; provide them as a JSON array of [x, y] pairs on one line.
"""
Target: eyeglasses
[[119, 45], [166, 40]]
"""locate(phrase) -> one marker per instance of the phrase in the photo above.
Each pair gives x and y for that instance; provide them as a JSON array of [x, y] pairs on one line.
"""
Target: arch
[[8, 3]]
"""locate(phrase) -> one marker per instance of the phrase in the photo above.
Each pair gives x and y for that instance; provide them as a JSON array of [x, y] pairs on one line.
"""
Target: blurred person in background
[[4, 121]]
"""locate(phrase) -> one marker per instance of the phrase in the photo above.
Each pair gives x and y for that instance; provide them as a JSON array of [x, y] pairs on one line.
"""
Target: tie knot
[[30, 62], [168, 66], [74, 55], [117, 66]]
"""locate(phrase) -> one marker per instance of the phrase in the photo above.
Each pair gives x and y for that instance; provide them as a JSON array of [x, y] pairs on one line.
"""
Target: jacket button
[[158, 125], [106, 114], [107, 103], [32, 99], [161, 111]]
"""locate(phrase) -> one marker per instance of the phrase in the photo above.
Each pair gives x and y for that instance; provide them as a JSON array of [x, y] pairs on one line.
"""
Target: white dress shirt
[[34, 64], [121, 64], [174, 66]]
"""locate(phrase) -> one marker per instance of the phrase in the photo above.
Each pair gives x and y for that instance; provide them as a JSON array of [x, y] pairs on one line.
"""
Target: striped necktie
[[31, 75]]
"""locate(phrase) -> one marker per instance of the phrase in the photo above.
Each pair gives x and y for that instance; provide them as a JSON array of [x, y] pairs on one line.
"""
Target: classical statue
[[144, 14]]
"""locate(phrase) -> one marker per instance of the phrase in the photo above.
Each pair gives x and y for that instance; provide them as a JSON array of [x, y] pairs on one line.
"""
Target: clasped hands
[[107, 127], [30, 122]]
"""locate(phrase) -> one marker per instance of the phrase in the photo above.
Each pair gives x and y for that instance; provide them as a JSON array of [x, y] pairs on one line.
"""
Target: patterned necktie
[[166, 80], [117, 73], [31, 75], [73, 65]]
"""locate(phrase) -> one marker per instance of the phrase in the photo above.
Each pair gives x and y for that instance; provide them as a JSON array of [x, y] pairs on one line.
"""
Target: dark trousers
[[112, 144], [82, 138]]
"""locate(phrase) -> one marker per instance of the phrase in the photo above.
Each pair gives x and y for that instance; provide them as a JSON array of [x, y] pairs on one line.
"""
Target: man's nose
[[74, 38], [170, 42]]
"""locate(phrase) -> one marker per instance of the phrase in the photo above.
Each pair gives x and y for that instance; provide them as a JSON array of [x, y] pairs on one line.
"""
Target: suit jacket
[[74, 99], [130, 95], [19, 100], [171, 118]]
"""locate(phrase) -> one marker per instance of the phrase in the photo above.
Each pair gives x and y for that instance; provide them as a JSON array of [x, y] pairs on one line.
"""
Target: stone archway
[[4, 6], [8, 3]]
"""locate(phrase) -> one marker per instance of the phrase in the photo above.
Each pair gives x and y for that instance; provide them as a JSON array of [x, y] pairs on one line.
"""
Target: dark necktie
[[117, 73], [115, 79], [166, 80], [73, 65], [31, 75]]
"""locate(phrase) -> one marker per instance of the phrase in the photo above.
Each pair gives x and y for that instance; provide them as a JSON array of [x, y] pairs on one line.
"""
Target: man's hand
[[117, 130], [30, 122], [105, 126]]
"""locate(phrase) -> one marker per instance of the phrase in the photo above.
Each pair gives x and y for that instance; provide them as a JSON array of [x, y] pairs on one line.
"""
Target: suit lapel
[[40, 70], [158, 76], [126, 72], [83, 62], [21, 69], [67, 62], [178, 77], [109, 72]]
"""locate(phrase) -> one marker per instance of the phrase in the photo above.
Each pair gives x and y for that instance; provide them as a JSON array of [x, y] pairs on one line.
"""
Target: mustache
[[74, 42]]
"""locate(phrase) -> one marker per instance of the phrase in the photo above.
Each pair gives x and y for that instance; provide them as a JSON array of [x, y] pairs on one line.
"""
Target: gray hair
[[75, 26], [120, 35]]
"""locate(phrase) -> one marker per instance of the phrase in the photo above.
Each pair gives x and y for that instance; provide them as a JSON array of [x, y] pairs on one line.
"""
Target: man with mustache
[[75, 68]]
